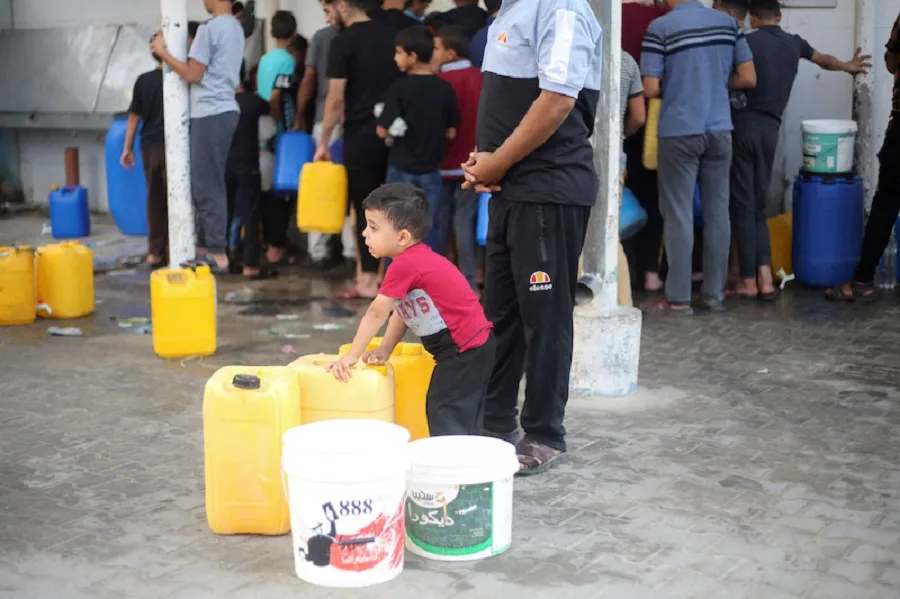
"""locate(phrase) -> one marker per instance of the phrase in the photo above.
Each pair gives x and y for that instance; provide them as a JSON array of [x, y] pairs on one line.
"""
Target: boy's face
[[404, 59], [442, 55], [382, 239]]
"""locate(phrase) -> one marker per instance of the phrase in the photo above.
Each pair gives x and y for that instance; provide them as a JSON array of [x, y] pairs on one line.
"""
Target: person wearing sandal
[[541, 85], [147, 107], [213, 71], [886, 203]]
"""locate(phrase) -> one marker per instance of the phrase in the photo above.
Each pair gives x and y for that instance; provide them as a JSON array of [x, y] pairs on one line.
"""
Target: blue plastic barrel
[[481, 222], [632, 216], [828, 228], [292, 150], [337, 151], [70, 215], [126, 188]]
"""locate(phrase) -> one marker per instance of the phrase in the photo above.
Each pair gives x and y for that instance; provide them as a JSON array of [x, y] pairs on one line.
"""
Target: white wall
[[42, 163], [40, 14]]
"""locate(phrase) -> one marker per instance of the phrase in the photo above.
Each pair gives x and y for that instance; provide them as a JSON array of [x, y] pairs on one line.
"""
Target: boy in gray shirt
[[213, 70]]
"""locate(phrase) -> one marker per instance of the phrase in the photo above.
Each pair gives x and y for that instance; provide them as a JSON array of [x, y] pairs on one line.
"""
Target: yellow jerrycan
[[369, 395], [183, 311], [413, 367], [322, 198], [651, 132], [246, 410], [65, 280], [781, 233], [18, 297]]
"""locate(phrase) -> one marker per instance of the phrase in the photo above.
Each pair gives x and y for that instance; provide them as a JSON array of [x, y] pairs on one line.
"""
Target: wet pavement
[[758, 460]]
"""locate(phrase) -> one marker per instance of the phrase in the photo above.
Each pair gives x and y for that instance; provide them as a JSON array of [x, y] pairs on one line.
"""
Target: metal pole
[[601, 247], [863, 99], [176, 107]]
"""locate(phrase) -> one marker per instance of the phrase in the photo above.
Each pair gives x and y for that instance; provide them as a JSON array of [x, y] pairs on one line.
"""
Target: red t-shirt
[[466, 82], [435, 301], [635, 20]]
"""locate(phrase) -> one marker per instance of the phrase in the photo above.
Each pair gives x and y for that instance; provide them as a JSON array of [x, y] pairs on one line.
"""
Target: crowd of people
[[434, 108]]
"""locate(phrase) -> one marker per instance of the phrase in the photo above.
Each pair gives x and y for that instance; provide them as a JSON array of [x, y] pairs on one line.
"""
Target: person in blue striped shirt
[[691, 57]]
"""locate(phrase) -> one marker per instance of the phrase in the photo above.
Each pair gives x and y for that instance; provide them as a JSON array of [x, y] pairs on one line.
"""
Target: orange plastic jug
[[413, 367], [18, 297], [369, 395], [651, 132], [246, 410], [781, 233], [183, 309], [65, 280], [322, 198]]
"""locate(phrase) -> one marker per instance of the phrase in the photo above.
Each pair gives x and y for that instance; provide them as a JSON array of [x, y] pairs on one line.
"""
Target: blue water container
[[126, 188], [70, 215], [828, 228], [481, 222], [632, 216], [292, 150], [337, 151]]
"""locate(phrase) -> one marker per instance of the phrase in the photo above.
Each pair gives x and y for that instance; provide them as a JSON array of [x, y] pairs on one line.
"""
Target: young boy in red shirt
[[459, 207], [430, 296]]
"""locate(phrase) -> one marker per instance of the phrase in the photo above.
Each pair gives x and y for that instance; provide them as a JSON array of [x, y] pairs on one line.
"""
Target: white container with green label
[[459, 498], [828, 146]]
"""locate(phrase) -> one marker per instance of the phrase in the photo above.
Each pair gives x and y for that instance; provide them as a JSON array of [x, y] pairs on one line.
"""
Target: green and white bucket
[[459, 498], [828, 146]]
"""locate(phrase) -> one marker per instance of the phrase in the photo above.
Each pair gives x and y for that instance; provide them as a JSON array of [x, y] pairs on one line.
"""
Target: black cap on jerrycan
[[245, 381]]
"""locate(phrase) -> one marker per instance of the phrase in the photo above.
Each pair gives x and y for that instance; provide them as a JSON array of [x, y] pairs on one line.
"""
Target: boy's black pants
[[885, 204], [242, 182], [755, 140], [531, 270], [454, 404]]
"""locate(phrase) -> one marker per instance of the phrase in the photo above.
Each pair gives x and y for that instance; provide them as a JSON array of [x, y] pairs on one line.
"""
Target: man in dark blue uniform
[[538, 103]]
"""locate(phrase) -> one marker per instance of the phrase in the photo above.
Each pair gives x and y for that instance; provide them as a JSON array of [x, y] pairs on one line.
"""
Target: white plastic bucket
[[459, 498], [828, 146], [346, 484]]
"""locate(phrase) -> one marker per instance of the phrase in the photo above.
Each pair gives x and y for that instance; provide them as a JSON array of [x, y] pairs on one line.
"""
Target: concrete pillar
[[176, 107], [607, 336], [864, 99]]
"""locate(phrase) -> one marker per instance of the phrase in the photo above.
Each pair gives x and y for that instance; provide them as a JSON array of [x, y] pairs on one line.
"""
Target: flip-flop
[[661, 304], [771, 296], [351, 293], [535, 458], [209, 261], [861, 291], [263, 274]]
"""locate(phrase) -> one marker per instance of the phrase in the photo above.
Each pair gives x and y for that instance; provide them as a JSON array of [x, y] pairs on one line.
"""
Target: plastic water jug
[[70, 215], [65, 280], [828, 228], [481, 220], [651, 131], [183, 309], [413, 367], [246, 410], [292, 150], [781, 230], [369, 395], [322, 199], [337, 151], [18, 299], [632, 216], [126, 188]]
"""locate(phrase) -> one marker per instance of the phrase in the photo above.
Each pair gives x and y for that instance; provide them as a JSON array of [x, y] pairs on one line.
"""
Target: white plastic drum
[[346, 482], [460, 497]]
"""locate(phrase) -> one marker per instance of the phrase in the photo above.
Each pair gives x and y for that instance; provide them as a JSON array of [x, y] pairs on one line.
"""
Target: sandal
[[770, 296], [209, 261], [838, 293], [263, 274], [535, 458], [661, 304], [351, 293]]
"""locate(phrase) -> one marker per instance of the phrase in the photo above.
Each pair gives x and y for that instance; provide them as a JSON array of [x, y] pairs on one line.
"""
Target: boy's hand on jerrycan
[[340, 368], [377, 356]]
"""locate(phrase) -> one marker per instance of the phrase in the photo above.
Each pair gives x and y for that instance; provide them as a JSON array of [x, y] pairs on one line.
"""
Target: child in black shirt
[[243, 182], [420, 116]]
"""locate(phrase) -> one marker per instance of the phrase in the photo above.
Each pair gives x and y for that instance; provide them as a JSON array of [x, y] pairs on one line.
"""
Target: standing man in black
[[360, 70], [538, 103]]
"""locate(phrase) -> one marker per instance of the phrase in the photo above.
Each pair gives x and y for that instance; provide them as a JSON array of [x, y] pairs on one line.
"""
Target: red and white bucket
[[346, 485]]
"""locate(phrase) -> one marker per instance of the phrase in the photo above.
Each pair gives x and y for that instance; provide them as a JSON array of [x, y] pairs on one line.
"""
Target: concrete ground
[[759, 460]]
